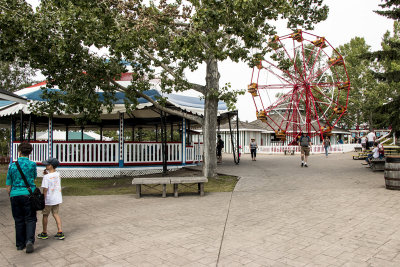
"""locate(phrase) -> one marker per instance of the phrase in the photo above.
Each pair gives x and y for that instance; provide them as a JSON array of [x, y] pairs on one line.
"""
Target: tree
[[15, 75], [389, 57], [364, 93], [388, 113], [154, 36]]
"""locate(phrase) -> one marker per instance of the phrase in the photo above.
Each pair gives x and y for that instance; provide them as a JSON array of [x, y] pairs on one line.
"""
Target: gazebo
[[127, 154]]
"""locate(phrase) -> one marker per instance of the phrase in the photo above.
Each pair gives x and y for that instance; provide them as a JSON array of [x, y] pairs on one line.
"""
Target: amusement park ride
[[303, 86]]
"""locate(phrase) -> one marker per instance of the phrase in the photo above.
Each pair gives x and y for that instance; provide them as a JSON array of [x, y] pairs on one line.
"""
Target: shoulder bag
[[36, 197]]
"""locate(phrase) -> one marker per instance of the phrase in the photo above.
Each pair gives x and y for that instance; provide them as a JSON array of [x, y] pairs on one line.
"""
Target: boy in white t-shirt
[[51, 185]]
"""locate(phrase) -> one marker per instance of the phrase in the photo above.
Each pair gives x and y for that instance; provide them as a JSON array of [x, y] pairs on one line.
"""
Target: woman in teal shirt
[[24, 215]]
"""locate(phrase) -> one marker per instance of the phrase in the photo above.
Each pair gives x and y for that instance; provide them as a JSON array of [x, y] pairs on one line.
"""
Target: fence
[[316, 149], [83, 153], [106, 153], [149, 152], [39, 152]]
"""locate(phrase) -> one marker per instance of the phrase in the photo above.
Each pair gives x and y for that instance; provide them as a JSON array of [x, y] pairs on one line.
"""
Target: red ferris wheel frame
[[313, 89]]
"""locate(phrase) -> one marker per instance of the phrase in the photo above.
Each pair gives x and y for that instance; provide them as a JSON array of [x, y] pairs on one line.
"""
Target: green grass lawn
[[119, 186]]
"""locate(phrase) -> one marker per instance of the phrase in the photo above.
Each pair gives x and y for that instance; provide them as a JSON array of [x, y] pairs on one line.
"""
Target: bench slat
[[188, 180], [158, 180]]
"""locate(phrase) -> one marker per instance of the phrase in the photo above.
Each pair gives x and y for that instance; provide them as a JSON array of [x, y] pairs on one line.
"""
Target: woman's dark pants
[[253, 152], [25, 220]]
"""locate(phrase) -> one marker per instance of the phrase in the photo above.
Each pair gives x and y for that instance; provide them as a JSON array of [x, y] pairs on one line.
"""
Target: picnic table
[[362, 155]]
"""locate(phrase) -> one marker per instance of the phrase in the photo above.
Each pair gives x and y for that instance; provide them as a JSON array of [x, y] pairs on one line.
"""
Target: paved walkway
[[334, 213]]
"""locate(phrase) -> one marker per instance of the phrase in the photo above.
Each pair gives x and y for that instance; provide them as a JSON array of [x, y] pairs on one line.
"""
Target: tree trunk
[[210, 119]]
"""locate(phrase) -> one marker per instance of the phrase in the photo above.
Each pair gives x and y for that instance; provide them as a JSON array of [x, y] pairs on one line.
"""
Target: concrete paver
[[334, 213]]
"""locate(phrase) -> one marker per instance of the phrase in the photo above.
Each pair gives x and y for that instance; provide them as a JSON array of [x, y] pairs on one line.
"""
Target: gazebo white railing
[[105, 153], [316, 149]]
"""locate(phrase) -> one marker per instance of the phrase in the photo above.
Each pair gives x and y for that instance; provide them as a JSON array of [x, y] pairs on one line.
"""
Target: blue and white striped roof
[[33, 93]]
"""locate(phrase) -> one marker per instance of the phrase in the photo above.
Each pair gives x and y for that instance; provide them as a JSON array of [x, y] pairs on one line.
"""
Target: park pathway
[[334, 213]]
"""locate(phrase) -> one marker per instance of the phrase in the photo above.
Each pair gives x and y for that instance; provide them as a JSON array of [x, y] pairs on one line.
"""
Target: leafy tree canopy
[[160, 39], [15, 75]]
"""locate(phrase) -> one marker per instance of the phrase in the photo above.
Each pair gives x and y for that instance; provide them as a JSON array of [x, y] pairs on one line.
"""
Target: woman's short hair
[[25, 148]]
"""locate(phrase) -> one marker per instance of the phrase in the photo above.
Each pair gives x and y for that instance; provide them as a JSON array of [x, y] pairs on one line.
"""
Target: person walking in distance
[[305, 146], [364, 143], [253, 149], [24, 216], [371, 139], [327, 145], [220, 146], [51, 185]]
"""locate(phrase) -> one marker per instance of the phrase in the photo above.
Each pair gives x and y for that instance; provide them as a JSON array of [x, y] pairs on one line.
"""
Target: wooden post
[[138, 190], [66, 133], [82, 128], [101, 132], [201, 189]]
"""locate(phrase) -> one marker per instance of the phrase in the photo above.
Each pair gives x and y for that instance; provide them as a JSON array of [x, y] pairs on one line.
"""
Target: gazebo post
[[183, 153], [101, 133], [12, 138], [157, 132], [188, 133], [82, 128], [121, 140], [164, 142], [29, 127], [66, 133], [172, 132], [34, 127], [21, 126], [50, 138]]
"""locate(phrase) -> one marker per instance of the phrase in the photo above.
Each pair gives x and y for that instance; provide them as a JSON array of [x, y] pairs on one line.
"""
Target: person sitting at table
[[374, 154]]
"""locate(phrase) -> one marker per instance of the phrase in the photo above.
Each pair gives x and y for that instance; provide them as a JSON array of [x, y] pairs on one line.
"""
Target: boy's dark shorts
[[305, 150], [53, 209]]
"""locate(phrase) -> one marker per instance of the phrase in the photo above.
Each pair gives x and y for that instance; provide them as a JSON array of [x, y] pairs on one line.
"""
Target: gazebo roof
[[189, 104], [11, 97]]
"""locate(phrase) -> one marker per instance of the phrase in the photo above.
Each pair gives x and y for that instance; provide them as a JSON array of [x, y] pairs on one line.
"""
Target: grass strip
[[121, 186]]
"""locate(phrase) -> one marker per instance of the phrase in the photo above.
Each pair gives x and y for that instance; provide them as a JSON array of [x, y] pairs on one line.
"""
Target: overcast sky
[[347, 19]]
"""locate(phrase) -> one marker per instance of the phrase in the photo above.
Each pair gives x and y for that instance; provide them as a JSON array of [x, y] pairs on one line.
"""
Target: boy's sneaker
[[60, 236], [29, 247], [302, 164], [42, 236], [305, 165]]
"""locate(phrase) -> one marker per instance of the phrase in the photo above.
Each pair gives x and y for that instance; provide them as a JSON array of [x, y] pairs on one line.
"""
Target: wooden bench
[[188, 182], [151, 183], [377, 164], [362, 155]]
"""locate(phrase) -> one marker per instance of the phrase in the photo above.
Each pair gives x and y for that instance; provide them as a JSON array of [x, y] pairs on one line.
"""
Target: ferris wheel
[[303, 86]]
